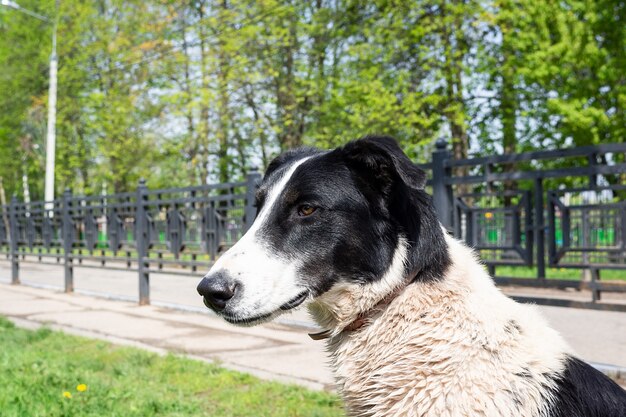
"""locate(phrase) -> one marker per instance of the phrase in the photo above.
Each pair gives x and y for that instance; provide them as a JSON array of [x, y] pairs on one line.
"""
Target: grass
[[557, 273], [40, 369]]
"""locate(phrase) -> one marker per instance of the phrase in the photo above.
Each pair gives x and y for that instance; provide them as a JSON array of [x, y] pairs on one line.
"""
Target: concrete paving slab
[[114, 324], [311, 363], [13, 297], [596, 336], [203, 342], [30, 306]]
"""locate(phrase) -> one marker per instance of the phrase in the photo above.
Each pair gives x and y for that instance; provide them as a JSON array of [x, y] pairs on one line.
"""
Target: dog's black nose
[[217, 289]]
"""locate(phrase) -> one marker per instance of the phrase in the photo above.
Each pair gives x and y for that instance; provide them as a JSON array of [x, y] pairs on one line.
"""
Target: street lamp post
[[52, 101], [51, 137]]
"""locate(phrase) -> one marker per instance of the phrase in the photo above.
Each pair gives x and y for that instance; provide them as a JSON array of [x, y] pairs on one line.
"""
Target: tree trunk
[[508, 105], [456, 112], [223, 103], [192, 133], [290, 137], [203, 123]]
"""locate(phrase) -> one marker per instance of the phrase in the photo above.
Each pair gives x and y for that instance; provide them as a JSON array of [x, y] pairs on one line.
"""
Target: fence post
[[442, 193], [540, 233], [68, 243], [252, 181], [592, 158], [141, 241], [14, 236]]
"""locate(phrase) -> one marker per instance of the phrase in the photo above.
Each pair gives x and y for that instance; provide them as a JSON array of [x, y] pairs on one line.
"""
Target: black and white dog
[[415, 326]]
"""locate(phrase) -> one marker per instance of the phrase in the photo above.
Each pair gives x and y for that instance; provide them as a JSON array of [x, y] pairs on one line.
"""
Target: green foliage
[[22, 86], [38, 367], [200, 91]]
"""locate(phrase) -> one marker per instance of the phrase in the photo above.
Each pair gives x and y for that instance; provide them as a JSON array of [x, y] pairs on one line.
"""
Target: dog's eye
[[306, 210]]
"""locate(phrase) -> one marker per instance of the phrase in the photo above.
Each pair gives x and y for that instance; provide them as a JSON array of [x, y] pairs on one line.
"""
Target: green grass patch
[[40, 369], [557, 273]]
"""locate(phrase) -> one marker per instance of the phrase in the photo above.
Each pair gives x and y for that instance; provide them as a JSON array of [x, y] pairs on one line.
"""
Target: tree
[[199, 91], [24, 56]]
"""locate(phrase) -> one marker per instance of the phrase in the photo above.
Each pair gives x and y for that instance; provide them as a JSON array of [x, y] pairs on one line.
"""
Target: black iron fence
[[521, 219], [173, 231]]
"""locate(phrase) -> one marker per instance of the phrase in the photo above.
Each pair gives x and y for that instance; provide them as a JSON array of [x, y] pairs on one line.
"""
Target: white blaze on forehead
[[275, 191], [268, 280]]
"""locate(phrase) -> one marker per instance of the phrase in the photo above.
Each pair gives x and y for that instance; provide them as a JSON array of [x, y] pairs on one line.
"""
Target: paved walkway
[[271, 351], [280, 351]]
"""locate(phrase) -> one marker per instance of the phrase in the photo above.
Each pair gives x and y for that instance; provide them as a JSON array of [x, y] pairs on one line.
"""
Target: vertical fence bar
[[211, 235], [540, 233], [552, 197], [252, 181], [442, 193], [592, 158], [68, 243], [596, 293], [141, 241], [623, 228], [13, 236], [488, 169], [457, 219], [586, 241]]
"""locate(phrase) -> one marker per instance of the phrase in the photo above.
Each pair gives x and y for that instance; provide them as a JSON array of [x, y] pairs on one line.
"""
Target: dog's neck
[[432, 338], [363, 319], [349, 306]]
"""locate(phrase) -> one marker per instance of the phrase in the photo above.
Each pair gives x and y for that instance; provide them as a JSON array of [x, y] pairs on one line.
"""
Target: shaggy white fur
[[449, 348]]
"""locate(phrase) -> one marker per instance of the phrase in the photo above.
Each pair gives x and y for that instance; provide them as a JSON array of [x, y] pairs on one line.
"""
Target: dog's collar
[[362, 319]]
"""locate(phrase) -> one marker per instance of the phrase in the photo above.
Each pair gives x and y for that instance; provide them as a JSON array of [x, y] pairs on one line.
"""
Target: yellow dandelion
[[81, 388], [67, 394], [489, 215]]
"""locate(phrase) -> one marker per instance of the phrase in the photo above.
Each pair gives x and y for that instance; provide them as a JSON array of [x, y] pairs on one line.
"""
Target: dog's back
[[583, 391]]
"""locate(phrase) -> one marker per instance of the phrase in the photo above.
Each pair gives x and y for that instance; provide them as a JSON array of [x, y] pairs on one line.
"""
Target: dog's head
[[325, 219]]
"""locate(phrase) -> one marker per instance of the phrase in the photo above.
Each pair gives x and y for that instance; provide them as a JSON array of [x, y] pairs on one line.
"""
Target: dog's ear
[[384, 160], [389, 180]]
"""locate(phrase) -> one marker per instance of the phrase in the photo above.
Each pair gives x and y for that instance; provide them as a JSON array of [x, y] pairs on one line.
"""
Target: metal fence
[[518, 217], [173, 231], [521, 217]]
